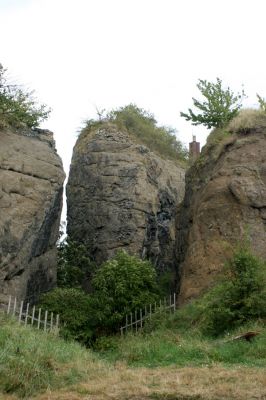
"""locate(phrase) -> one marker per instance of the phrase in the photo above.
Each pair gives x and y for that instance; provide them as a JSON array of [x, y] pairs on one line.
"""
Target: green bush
[[17, 106], [122, 285], [74, 308], [239, 297]]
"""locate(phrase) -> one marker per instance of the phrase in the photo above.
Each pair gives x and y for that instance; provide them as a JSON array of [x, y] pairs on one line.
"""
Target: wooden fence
[[135, 321], [39, 318]]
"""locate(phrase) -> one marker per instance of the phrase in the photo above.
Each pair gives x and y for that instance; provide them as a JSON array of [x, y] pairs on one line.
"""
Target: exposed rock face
[[225, 197], [31, 185], [121, 195]]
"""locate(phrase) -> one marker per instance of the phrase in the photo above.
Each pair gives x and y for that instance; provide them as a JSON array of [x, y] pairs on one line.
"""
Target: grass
[[167, 347], [32, 361], [143, 129], [168, 364]]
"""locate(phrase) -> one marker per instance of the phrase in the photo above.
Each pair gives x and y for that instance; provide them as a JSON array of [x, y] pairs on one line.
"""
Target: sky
[[86, 54]]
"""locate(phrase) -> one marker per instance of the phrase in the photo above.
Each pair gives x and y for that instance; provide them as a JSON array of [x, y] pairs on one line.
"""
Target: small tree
[[122, 285], [74, 268], [17, 106], [239, 297], [218, 107]]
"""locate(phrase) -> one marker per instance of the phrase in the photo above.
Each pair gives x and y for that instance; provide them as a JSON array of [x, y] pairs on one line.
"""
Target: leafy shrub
[[119, 286], [122, 285], [218, 107], [74, 268], [18, 107], [143, 125], [74, 308], [239, 297]]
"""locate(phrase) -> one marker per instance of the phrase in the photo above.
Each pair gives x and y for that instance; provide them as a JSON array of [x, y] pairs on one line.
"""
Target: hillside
[[167, 364]]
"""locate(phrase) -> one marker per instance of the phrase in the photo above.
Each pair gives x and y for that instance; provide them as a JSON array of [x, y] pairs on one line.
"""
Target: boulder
[[225, 202], [120, 195], [31, 187]]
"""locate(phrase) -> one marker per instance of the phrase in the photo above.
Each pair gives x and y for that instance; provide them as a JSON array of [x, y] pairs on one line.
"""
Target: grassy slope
[[168, 365]]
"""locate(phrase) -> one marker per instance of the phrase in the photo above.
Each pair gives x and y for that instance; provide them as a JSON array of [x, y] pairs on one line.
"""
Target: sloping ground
[[35, 365]]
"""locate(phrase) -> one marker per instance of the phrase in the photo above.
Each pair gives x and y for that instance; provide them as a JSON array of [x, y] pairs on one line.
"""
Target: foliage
[[119, 286], [122, 285], [262, 103], [218, 107], [17, 106], [74, 268], [74, 308], [239, 297], [143, 125], [32, 361]]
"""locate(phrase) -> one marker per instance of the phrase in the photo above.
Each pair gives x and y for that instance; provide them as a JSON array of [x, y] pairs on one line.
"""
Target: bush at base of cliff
[[74, 308], [122, 285], [239, 297], [17, 106]]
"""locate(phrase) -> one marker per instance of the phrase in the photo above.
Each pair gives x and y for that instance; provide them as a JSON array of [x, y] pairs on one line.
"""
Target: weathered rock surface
[[31, 185], [121, 195], [225, 198]]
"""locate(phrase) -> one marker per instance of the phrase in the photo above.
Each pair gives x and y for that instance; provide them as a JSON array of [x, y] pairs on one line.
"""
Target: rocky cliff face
[[225, 197], [31, 185], [121, 195]]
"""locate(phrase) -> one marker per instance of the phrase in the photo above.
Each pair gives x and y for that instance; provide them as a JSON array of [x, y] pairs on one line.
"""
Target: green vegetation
[[122, 285], [74, 308], [17, 106], [74, 267], [175, 342], [262, 103], [218, 107], [118, 287], [32, 361], [239, 297], [143, 126], [237, 304]]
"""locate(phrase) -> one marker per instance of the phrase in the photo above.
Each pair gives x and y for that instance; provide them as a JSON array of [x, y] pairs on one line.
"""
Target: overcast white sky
[[107, 53]]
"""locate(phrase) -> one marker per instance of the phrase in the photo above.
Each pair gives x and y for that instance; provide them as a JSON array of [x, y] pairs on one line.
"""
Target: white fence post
[[9, 305], [15, 306], [20, 311], [27, 312]]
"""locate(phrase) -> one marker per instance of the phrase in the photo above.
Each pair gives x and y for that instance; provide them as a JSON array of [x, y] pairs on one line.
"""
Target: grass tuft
[[32, 361]]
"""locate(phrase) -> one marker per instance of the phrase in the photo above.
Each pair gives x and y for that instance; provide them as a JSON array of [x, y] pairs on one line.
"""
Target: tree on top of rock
[[17, 106], [218, 107]]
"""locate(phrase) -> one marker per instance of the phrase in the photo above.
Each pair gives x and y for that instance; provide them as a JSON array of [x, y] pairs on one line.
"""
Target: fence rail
[[39, 318], [135, 321]]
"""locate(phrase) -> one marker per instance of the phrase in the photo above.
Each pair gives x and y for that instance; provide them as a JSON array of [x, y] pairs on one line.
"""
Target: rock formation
[[122, 195], [31, 185], [225, 199]]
